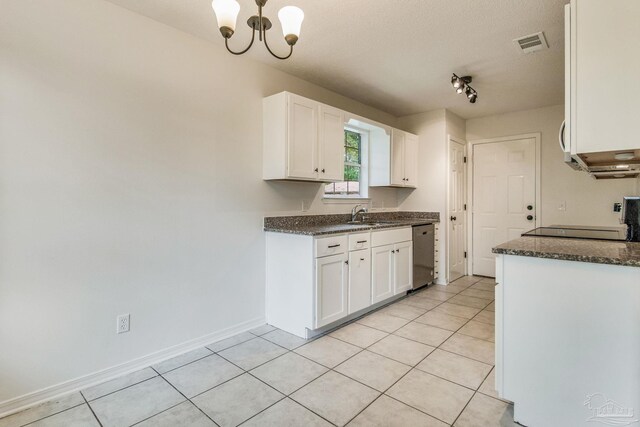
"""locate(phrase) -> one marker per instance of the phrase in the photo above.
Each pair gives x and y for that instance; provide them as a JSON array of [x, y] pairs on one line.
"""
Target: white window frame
[[364, 169]]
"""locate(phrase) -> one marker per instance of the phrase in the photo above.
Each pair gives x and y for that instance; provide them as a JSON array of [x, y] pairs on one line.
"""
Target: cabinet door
[[411, 160], [606, 108], [402, 267], [302, 138], [359, 280], [331, 144], [331, 289], [381, 273], [397, 157]]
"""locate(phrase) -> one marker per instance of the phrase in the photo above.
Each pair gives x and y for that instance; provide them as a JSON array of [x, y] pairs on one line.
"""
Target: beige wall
[[588, 202], [130, 182], [433, 129]]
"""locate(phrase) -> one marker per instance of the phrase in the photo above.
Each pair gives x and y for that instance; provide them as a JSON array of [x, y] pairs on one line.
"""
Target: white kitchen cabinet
[[315, 283], [332, 281], [404, 159], [601, 65], [567, 341], [331, 144], [359, 280], [402, 267], [302, 139], [381, 273], [391, 263], [395, 160]]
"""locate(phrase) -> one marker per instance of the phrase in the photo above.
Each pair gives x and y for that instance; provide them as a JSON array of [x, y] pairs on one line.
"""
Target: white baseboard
[[25, 401]]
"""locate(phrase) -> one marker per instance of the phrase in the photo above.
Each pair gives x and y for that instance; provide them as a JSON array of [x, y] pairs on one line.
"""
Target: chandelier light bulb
[[291, 18], [226, 13]]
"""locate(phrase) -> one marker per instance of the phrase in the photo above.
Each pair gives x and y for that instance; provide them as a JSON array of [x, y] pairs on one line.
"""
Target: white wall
[[588, 202], [432, 129], [130, 182]]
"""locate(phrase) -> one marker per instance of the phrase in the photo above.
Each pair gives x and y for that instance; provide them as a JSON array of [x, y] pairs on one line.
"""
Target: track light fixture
[[227, 14], [461, 85]]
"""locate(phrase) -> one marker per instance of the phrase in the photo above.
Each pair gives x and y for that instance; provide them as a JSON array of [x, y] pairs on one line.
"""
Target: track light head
[[461, 85]]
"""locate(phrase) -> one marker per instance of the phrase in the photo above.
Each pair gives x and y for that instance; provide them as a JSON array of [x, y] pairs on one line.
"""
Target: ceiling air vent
[[531, 43]]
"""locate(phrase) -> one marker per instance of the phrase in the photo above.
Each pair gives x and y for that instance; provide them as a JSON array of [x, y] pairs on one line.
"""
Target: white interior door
[[504, 195], [457, 235]]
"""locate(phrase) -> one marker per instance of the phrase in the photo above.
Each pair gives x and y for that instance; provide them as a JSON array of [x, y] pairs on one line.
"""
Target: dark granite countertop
[[317, 225], [581, 250]]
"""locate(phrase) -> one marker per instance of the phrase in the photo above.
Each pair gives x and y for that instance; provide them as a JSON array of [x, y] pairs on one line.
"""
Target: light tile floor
[[425, 360]]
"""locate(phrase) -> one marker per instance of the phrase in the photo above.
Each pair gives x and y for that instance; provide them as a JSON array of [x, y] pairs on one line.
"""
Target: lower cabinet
[[402, 267], [359, 280], [391, 268], [314, 282], [332, 289], [381, 273]]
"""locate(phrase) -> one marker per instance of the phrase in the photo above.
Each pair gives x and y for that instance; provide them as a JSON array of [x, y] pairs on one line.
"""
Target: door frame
[[454, 140], [470, 188]]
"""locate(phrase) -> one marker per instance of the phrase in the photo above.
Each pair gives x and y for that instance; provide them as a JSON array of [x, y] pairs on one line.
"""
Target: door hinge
[[465, 159], [465, 254]]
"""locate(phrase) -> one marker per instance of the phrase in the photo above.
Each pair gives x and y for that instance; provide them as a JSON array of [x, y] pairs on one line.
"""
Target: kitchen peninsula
[[568, 330]]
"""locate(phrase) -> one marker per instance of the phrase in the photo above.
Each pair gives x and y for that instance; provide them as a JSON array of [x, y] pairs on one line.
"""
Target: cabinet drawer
[[389, 237], [359, 241], [332, 245]]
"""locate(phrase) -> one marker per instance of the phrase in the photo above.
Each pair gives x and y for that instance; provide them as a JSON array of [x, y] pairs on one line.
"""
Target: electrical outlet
[[122, 323]]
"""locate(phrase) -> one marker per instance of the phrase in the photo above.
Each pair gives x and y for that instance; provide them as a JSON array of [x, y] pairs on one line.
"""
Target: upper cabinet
[[404, 169], [602, 63], [396, 160], [303, 139]]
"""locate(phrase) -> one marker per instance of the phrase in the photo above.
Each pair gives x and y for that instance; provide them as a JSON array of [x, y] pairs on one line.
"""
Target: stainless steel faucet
[[357, 209]]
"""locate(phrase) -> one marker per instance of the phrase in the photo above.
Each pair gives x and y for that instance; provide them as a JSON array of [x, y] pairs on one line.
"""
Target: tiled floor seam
[[47, 416], [465, 407], [91, 409], [183, 395], [188, 363], [399, 379]]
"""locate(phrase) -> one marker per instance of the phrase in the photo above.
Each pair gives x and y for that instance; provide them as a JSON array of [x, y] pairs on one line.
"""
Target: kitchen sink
[[370, 223]]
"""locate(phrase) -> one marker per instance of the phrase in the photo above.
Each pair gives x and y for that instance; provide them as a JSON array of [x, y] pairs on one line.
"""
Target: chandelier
[[227, 14]]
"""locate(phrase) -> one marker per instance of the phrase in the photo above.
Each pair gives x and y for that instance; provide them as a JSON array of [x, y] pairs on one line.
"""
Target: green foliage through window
[[352, 166]]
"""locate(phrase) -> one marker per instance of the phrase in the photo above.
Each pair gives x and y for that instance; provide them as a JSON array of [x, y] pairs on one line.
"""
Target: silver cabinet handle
[[333, 246], [361, 241]]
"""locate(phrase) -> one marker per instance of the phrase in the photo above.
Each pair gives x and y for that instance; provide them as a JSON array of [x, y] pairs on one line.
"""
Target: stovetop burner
[[579, 232]]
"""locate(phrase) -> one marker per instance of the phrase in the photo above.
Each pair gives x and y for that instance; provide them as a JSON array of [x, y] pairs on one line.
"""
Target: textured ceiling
[[398, 55]]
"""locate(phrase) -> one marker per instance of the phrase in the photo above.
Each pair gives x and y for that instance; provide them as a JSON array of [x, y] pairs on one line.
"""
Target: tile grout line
[[46, 416], [90, 408], [415, 367], [183, 395]]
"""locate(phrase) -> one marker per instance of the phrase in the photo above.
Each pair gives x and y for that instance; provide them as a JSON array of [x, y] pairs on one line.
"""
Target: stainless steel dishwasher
[[423, 254]]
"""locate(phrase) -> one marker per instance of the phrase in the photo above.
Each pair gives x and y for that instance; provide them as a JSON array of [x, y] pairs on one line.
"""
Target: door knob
[[529, 207], [315, 170], [453, 218], [530, 217]]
